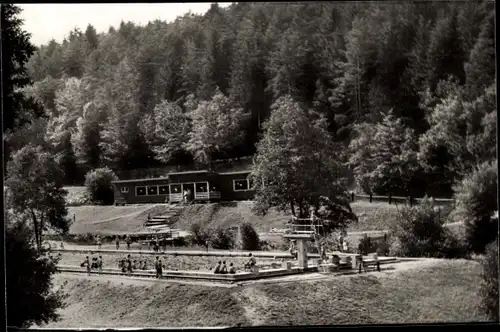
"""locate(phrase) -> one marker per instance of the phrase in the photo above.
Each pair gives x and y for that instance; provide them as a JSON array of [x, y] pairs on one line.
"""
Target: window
[[240, 185], [140, 191], [152, 190], [176, 189], [124, 190], [201, 187], [163, 190]]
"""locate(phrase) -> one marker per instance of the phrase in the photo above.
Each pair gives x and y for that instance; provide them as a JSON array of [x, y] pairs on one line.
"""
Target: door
[[188, 188]]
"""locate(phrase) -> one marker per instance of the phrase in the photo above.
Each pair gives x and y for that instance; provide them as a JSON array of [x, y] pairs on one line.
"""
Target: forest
[[407, 90]]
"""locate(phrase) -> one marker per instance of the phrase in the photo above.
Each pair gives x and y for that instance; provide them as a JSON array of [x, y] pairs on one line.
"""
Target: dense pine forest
[[407, 89]]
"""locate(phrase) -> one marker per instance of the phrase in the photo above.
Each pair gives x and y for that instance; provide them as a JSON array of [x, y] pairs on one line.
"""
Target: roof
[[164, 177], [236, 172], [140, 180], [191, 172]]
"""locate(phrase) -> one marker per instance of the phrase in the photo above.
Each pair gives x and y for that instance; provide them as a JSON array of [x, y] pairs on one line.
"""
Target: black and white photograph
[[249, 164]]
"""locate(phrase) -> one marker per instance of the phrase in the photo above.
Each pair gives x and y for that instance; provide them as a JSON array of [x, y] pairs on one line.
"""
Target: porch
[[195, 191]]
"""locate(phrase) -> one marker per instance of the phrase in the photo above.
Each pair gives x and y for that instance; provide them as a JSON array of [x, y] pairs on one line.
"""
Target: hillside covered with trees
[[407, 90]]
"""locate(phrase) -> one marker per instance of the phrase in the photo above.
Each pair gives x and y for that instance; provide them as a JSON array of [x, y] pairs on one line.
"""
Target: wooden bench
[[368, 263]]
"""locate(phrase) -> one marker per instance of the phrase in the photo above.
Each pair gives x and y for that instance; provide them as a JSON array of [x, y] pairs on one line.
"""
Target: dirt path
[[138, 281]]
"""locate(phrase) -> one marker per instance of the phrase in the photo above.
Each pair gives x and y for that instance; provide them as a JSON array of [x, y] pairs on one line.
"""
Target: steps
[[166, 219]]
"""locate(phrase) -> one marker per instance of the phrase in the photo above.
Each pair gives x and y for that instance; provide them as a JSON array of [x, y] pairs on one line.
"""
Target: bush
[[476, 201], [249, 237], [489, 287], [199, 236], [99, 186], [180, 242], [222, 239], [420, 233], [453, 247]]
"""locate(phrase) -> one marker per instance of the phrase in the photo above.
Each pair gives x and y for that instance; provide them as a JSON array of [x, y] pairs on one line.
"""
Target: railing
[[175, 197], [206, 195], [197, 196], [397, 199]]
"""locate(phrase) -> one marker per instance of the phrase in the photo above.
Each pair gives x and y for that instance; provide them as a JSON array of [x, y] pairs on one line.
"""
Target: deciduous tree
[[295, 169], [216, 127], [35, 184]]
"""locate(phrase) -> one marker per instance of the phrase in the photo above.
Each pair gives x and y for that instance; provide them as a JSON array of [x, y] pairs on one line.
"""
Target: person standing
[[99, 263], [98, 240], [117, 240], [158, 267], [129, 265], [87, 263], [128, 241]]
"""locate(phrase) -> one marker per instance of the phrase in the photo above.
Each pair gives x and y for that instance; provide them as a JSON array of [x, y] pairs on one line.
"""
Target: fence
[[398, 199]]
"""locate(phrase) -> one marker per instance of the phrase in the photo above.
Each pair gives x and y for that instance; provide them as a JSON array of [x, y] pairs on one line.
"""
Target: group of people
[[128, 265], [128, 241], [221, 268], [96, 264]]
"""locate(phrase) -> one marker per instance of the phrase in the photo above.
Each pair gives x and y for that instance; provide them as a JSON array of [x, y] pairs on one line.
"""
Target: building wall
[[227, 187], [131, 197], [225, 183]]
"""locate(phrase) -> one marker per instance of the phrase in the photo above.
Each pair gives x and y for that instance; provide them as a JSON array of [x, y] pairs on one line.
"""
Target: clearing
[[427, 291]]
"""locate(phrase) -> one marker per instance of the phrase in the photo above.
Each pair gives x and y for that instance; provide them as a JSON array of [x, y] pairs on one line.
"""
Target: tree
[[445, 54], [29, 272], [384, 159], [123, 143], [35, 185], [249, 237], [99, 185], [461, 134], [17, 108], [166, 130], [87, 136], [294, 169], [475, 202], [216, 127], [489, 285], [480, 69]]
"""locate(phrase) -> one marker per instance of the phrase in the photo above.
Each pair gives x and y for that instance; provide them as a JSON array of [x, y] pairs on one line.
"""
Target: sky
[[55, 21]]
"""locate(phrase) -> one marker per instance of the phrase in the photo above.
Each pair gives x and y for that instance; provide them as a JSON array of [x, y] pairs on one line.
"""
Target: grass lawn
[[111, 219], [441, 291]]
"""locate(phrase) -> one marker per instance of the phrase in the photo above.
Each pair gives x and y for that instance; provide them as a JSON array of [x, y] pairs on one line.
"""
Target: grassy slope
[[372, 216], [443, 292], [229, 214], [111, 219]]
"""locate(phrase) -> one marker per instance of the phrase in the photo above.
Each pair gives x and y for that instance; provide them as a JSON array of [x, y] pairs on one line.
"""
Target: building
[[200, 186]]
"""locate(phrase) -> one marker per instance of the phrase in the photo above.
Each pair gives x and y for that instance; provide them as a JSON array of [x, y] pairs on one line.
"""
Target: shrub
[[453, 247], [249, 237], [476, 201], [420, 232], [489, 287], [369, 245], [99, 187], [222, 239], [180, 242], [199, 236]]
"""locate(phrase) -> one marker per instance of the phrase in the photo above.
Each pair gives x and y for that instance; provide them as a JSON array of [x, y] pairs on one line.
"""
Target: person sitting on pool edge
[[224, 268], [251, 262], [232, 270], [218, 268]]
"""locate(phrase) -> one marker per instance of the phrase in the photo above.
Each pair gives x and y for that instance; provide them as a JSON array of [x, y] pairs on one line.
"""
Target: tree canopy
[[201, 87]]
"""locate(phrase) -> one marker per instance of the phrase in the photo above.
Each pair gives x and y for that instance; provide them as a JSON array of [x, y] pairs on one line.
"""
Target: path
[[138, 281]]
